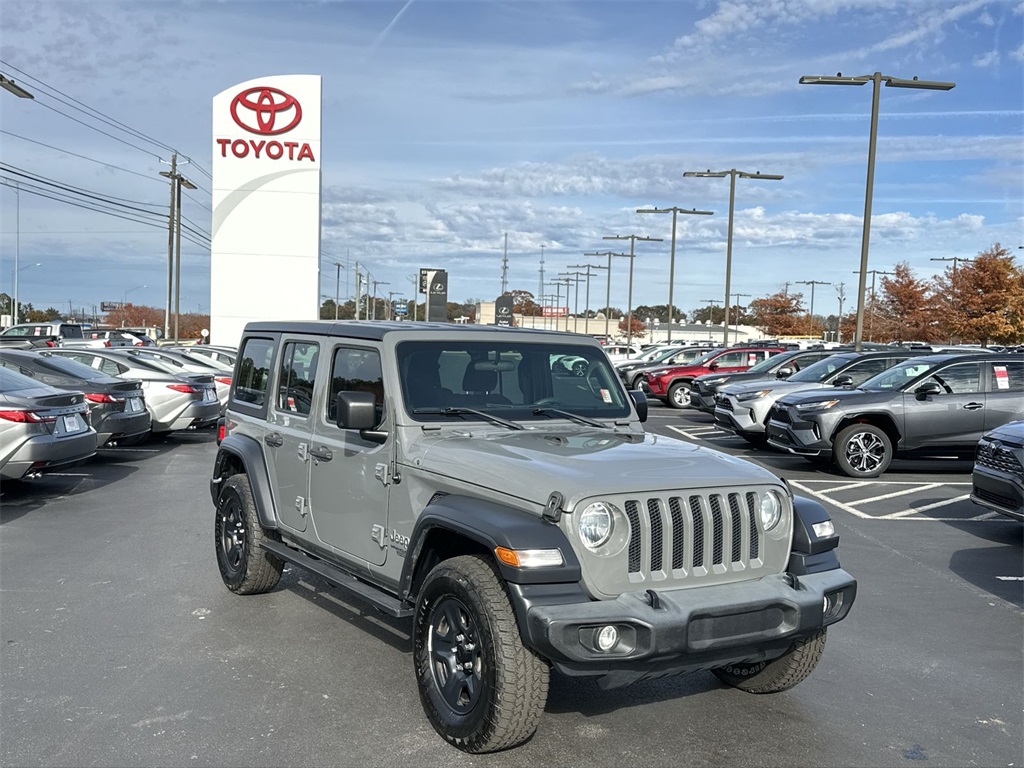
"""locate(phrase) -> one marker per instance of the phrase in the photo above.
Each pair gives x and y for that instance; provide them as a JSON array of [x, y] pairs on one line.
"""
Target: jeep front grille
[[693, 535]]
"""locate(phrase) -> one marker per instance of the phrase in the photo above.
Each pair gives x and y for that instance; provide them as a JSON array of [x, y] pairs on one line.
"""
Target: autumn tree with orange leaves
[[982, 300], [906, 310], [781, 314]]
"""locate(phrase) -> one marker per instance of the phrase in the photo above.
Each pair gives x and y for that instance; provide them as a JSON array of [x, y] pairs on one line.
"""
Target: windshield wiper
[[571, 416], [469, 411]]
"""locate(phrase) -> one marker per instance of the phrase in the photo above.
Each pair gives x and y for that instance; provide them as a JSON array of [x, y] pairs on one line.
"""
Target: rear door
[[1004, 400], [955, 416], [350, 476]]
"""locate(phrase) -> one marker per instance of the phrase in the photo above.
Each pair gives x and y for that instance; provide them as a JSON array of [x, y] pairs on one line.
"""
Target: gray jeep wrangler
[[505, 497]]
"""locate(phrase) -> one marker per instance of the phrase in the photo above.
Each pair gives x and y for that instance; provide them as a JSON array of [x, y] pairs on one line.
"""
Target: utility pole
[[541, 290], [608, 292], [359, 287], [391, 306], [672, 258], [632, 255], [841, 295], [504, 269], [170, 247], [812, 283], [375, 284], [337, 286], [711, 311], [955, 260], [736, 296], [871, 318], [415, 280], [174, 238]]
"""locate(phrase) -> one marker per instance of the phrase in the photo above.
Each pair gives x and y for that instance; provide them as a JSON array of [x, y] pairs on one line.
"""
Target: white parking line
[[904, 492], [824, 497], [936, 505]]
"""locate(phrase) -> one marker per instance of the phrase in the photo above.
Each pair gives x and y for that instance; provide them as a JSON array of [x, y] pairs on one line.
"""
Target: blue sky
[[447, 124]]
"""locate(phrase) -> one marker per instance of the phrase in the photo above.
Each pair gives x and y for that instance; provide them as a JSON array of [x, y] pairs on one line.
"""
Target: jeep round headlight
[[770, 510], [596, 524]]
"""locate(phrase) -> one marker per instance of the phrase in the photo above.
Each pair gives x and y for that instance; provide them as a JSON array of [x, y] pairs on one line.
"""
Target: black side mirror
[[640, 403], [843, 381], [712, 366], [927, 390], [358, 410], [783, 373]]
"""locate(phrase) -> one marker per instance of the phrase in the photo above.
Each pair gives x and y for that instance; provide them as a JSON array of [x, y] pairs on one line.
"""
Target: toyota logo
[[264, 108]]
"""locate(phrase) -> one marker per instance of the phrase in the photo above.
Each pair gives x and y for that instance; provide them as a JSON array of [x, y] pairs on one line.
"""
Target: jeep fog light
[[607, 638], [529, 558], [824, 530], [596, 524], [770, 510]]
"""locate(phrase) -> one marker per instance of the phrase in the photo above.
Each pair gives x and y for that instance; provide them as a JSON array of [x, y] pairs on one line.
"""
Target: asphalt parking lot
[[121, 646]]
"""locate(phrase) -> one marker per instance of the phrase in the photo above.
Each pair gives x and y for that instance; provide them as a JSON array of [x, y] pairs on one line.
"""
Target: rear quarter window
[[254, 366]]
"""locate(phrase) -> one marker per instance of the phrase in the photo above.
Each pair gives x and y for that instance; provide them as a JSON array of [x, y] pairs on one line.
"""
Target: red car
[[671, 385]]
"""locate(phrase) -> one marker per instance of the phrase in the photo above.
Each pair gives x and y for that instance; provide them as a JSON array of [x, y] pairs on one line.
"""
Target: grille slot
[[1001, 460], [778, 413], [693, 535]]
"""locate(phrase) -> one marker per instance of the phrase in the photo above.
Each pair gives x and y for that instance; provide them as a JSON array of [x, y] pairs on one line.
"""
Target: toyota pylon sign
[[265, 256]]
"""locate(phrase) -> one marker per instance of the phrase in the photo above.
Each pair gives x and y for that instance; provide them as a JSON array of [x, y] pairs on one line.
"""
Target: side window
[[730, 359], [356, 370], [109, 367], [250, 386], [863, 370], [298, 371], [960, 379], [1008, 377]]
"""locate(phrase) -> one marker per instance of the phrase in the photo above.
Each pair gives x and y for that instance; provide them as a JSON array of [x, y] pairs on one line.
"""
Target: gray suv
[[520, 518]]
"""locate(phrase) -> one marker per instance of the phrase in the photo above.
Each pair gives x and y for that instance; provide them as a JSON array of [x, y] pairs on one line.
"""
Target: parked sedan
[[184, 361], [224, 355], [998, 476], [117, 408], [175, 401], [41, 428]]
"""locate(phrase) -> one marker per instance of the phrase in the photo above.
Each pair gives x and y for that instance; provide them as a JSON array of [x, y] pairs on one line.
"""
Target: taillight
[[222, 431], [188, 389], [25, 417], [99, 397], [226, 380], [50, 343]]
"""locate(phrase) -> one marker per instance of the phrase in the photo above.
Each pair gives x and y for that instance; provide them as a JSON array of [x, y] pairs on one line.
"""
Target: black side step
[[380, 600]]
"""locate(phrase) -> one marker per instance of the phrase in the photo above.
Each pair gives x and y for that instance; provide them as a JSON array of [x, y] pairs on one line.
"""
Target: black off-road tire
[[247, 569], [679, 395], [862, 450], [481, 688], [779, 674]]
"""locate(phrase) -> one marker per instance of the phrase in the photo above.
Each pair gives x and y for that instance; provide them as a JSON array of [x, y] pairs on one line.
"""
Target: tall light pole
[[812, 283], [632, 255], [14, 279], [841, 295], [672, 259], [890, 82], [9, 85], [732, 173], [608, 291], [573, 277], [586, 308], [955, 260]]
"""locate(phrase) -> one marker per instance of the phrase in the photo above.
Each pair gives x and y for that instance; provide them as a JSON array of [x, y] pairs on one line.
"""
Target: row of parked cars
[[859, 409], [59, 405]]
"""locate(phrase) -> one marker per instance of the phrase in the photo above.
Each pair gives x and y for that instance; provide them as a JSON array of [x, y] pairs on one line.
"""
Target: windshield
[[822, 369], [771, 362], [68, 367], [898, 376], [514, 380]]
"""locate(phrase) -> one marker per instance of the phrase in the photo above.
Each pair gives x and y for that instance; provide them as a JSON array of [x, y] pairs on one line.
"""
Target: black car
[[932, 405], [780, 366], [117, 410], [998, 477]]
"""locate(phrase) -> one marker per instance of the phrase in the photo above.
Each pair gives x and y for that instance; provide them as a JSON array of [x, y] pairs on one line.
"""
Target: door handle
[[973, 406], [321, 454], [274, 440]]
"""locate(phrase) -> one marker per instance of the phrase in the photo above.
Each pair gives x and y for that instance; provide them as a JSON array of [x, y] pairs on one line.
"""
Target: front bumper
[[703, 400], [999, 491], [796, 434], [685, 630]]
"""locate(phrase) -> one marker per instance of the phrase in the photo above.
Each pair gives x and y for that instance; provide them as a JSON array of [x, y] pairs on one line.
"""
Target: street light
[[608, 291], [890, 82], [124, 302], [812, 283], [14, 279], [672, 259], [337, 286], [632, 255], [575, 277], [736, 297], [871, 320], [586, 309], [9, 85], [732, 173]]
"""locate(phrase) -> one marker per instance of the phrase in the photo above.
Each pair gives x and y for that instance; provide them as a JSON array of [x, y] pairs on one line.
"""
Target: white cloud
[[1017, 54], [987, 59]]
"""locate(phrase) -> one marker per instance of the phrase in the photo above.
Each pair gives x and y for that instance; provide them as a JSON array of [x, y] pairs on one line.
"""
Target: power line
[[83, 157], [107, 199], [94, 128], [71, 187]]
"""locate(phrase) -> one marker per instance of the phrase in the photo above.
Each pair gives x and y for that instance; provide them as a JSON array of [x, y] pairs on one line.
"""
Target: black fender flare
[[491, 525], [811, 553], [250, 454]]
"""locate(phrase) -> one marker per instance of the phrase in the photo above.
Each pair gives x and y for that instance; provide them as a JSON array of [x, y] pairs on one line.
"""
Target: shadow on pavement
[[998, 570]]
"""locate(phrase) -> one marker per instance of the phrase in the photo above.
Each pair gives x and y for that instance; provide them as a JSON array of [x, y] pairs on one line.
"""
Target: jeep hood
[[532, 463]]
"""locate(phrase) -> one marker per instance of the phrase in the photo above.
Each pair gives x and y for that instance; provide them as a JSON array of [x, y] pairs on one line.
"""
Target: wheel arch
[[235, 455], [453, 525], [881, 420]]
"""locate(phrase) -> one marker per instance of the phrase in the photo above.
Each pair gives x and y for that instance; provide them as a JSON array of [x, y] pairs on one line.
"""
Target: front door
[[954, 417], [349, 476], [290, 429]]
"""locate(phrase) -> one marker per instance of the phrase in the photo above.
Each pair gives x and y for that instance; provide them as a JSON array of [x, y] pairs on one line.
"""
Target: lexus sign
[[266, 203]]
